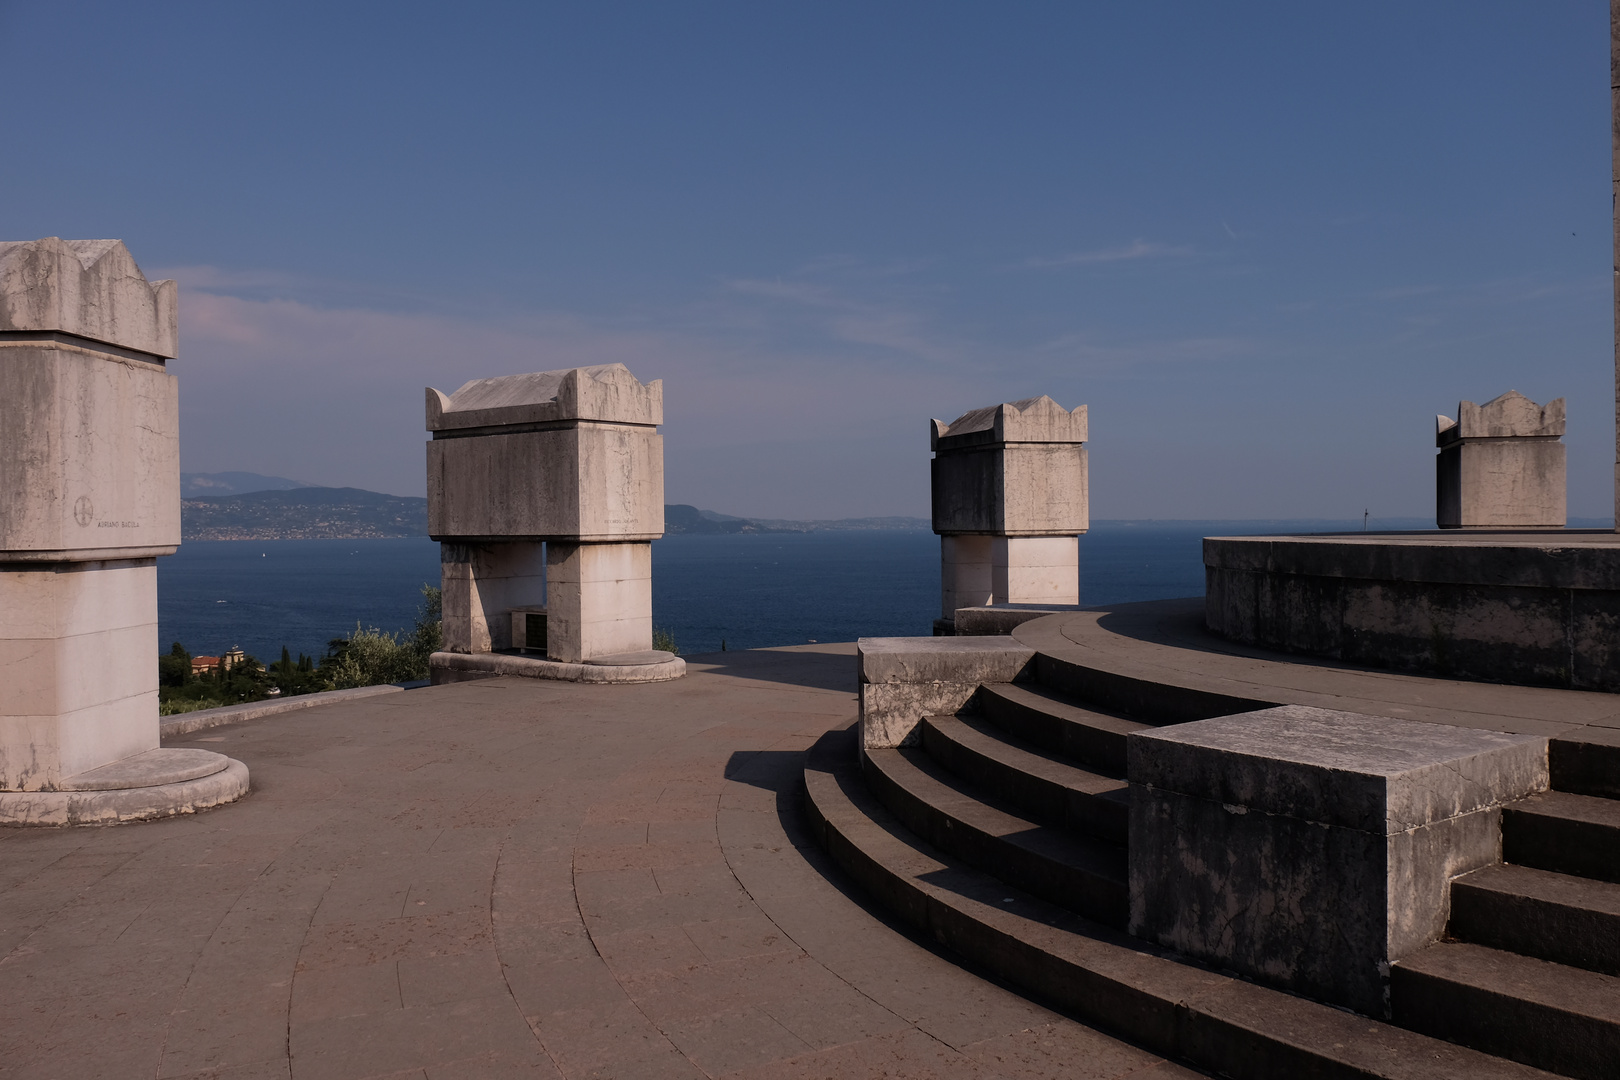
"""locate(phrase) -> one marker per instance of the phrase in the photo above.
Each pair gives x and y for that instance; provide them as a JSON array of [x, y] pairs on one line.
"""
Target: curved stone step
[[1586, 762], [1547, 1015], [1102, 976], [153, 768], [1080, 873], [1557, 917], [1563, 832], [1056, 724], [1050, 791]]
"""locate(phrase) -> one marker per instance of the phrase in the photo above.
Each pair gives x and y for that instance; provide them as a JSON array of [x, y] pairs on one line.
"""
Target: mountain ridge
[[310, 512]]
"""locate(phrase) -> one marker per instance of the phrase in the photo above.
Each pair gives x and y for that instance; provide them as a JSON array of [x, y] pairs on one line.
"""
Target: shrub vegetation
[[368, 657]]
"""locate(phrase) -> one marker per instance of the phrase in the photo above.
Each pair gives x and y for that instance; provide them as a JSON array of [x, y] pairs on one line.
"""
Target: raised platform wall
[[1498, 608]]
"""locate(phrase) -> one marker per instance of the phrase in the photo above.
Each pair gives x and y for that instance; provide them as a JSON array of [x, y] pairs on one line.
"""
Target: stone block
[[1016, 469], [903, 680], [567, 455], [88, 289], [1501, 465], [1310, 849], [78, 646], [599, 600], [89, 453]]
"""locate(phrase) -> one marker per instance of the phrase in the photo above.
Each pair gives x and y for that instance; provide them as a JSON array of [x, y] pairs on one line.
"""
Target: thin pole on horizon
[[1614, 148]]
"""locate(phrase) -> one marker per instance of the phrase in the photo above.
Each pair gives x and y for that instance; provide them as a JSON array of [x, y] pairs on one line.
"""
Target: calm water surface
[[750, 590]]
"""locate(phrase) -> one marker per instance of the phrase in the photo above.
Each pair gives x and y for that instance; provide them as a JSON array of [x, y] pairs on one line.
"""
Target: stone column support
[[1009, 499], [568, 463], [89, 500]]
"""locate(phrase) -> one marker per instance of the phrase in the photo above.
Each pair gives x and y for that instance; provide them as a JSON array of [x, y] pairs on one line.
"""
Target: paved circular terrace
[[496, 879]]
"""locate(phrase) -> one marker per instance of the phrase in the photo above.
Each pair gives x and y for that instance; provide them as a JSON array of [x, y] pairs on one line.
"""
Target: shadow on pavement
[[787, 667]]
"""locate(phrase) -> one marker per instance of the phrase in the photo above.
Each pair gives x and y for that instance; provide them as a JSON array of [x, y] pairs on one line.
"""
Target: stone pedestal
[[1310, 849], [1501, 465], [89, 500], [545, 492], [1009, 501]]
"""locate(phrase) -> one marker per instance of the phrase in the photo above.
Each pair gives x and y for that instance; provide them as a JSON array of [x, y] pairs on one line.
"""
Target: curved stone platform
[[642, 667], [156, 784], [1159, 658], [1533, 607]]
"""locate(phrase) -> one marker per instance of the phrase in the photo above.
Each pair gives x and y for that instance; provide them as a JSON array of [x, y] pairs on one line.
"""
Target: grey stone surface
[[904, 679], [1009, 490], [1311, 848], [1015, 469], [1501, 465], [566, 455], [114, 806], [1540, 608], [173, 727], [998, 619], [89, 498], [87, 288], [1371, 773], [570, 459], [89, 417], [448, 667], [153, 768]]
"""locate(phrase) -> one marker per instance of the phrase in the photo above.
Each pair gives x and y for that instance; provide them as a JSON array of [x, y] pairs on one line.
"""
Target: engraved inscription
[[84, 511]]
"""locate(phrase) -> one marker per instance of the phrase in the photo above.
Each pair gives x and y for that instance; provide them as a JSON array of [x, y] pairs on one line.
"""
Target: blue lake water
[[750, 590]]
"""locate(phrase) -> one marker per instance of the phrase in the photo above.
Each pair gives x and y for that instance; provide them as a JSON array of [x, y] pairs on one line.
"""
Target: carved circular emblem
[[84, 511]]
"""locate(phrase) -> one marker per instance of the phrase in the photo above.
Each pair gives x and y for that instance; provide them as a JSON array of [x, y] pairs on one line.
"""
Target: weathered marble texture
[[1310, 848], [903, 680]]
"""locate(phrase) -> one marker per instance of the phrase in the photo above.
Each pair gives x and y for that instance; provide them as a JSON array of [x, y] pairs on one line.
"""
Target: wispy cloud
[[1135, 250]]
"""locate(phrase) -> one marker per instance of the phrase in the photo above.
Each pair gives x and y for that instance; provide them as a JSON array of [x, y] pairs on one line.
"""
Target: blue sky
[[1265, 242]]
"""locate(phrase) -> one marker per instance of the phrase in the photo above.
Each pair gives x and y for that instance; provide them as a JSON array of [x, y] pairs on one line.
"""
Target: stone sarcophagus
[[89, 499], [545, 491], [1501, 465], [1009, 501]]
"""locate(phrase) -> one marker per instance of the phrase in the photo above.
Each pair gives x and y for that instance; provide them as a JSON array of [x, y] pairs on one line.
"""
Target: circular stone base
[[644, 667], [157, 784], [1538, 608]]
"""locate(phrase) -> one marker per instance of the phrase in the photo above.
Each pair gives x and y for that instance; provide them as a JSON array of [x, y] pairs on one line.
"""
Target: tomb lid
[[1376, 774], [1511, 415], [1032, 420], [605, 392], [90, 289]]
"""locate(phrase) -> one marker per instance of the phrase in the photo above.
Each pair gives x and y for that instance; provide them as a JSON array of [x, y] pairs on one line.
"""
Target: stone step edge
[[1491, 907], [1462, 990], [1093, 739], [1008, 751], [1109, 979], [173, 727], [54, 808], [1079, 872], [1032, 781]]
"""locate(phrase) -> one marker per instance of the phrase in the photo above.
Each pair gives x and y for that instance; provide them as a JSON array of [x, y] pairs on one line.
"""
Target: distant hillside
[[305, 513], [323, 513], [196, 485], [842, 524]]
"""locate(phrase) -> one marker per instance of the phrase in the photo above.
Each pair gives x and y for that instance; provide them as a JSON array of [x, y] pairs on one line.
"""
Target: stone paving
[[503, 878]]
